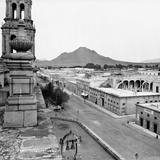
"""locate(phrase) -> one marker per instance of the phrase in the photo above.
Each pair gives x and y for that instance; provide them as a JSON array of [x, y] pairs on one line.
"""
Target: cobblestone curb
[[102, 143]]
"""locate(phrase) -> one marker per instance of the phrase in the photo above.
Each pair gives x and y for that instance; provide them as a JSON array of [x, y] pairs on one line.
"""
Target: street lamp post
[[136, 156], [69, 143]]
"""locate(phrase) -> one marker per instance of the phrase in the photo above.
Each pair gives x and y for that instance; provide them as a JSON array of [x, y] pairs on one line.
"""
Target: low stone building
[[148, 116], [71, 86], [82, 86], [156, 86], [119, 101]]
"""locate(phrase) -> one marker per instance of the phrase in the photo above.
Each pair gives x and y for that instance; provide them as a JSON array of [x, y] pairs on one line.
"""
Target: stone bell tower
[[18, 55], [17, 10]]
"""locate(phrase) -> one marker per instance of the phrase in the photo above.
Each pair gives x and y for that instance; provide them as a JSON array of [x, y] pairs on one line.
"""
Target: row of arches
[[138, 85], [15, 13]]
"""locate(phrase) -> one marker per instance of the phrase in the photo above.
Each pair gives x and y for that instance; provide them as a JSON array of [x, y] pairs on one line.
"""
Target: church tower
[[18, 55], [15, 11]]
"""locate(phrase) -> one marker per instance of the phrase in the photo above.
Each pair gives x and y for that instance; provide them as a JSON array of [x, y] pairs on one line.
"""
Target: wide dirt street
[[116, 132]]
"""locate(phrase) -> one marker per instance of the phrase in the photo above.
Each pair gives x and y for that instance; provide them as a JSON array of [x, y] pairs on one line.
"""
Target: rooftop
[[126, 93], [151, 106]]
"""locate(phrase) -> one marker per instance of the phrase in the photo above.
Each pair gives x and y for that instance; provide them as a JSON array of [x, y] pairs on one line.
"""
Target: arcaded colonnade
[[136, 85]]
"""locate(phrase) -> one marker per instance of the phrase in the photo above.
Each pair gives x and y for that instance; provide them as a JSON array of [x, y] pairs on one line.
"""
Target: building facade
[[71, 86], [118, 101], [82, 86], [148, 116], [121, 102]]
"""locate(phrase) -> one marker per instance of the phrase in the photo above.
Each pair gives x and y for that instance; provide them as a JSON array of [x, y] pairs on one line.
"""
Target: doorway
[[141, 121], [155, 126], [148, 124], [103, 102]]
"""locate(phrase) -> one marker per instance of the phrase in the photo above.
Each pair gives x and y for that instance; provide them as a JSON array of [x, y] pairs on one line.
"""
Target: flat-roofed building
[[120, 101], [82, 86], [156, 86], [71, 86], [150, 72], [148, 116]]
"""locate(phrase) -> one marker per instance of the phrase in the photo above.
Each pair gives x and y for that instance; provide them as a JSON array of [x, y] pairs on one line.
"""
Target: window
[[147, 115], [157, 89], [123, 104], [14, 10]]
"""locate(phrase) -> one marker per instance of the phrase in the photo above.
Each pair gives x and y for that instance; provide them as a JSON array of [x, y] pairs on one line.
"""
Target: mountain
[[152, 61], [80, 57]]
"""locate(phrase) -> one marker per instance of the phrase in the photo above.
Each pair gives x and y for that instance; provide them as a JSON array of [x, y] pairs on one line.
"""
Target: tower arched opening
[[14, 10], [22, 8]]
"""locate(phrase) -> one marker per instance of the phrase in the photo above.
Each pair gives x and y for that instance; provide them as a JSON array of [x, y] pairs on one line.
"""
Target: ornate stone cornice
[[13, 24], [18, 1]]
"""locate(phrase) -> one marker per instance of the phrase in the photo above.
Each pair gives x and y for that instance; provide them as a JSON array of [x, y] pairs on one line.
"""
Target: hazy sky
[[121, 29]]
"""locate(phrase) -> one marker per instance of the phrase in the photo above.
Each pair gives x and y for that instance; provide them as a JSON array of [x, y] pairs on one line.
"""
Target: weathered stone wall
[[3, 97]]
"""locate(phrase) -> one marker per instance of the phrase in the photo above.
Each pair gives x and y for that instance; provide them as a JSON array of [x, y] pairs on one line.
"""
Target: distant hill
[[152, 61], [80, 57]]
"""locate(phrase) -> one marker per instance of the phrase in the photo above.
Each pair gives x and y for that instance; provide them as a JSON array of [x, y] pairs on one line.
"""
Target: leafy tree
[[54, 95], [97, 67], [105, 66], [90, 65], [120, 66]]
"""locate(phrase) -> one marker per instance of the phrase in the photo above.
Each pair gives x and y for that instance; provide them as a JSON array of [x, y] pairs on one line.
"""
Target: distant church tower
[[16, 10]]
